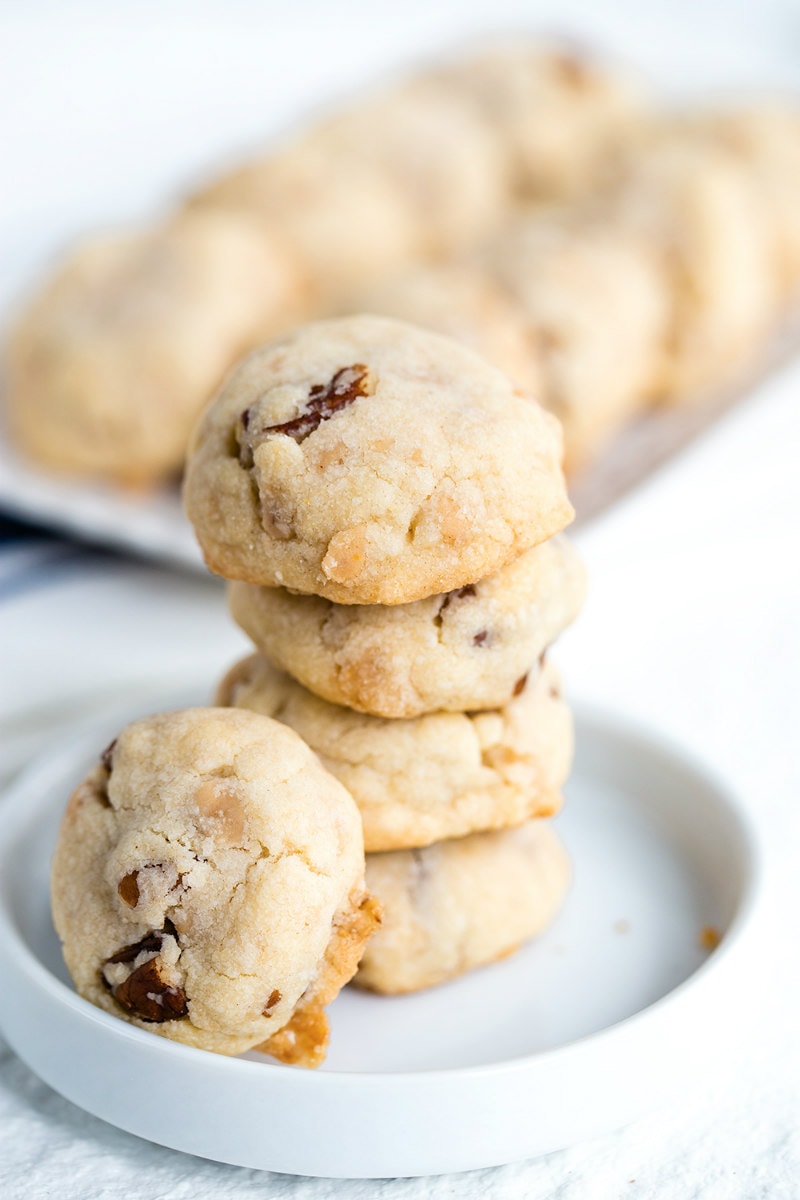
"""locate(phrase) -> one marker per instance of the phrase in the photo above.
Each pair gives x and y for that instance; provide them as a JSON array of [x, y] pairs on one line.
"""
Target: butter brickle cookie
[[437, 776], [459, 904], [370, 462], [465, 650], [208, 884], [113, 362]]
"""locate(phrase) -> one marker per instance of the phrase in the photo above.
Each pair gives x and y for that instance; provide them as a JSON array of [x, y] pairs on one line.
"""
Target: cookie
[[556, 114], [699, 207], [412, 173], [463, 303], [113, 361], [437, 776], [461, 904], [439, 155], [599, 361], [343, 222], [766, 139], [208, 884], [370, 462], [465, 650]]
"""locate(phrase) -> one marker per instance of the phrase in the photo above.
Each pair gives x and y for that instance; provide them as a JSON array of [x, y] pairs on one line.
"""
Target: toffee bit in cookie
[[325, 399], [519, 686], [274, 998], [480, 637], [106, 758], [128, 889]]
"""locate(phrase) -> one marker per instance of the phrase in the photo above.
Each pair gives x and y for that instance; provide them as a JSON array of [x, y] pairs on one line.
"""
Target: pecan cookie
[[699, 206], [208, 884], [343, 223], [370, 462], [415, 172], [460, 904], [599, 362], [437, 776], [439, 156], [463, 303], [766, 139], [114, 360], [465, 650], [556, 114]]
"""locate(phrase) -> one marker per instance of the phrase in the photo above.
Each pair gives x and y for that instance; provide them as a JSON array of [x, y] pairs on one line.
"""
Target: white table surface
[[691, 624]]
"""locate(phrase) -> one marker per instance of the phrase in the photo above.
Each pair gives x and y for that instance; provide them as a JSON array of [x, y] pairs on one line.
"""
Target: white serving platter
[[617, 1008], [148, 522]]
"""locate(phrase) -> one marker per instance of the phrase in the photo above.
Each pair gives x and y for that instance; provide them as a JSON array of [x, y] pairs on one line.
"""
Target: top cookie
[[369, 462]]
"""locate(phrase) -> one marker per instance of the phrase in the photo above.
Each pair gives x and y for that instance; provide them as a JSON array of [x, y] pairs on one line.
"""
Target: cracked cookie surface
[[460, 904], [426, 471], [437, 776], [465, 650], [208, 884]]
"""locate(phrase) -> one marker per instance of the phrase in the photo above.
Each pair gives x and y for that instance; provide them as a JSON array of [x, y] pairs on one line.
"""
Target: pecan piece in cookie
[[324, 399], [146, 993], [273, 999], [458, 594], [519, 686], [107, 757]]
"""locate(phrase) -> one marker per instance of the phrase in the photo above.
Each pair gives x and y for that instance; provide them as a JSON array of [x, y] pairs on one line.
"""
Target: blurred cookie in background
[[461, 301], [461, 904], [556, 112], [114, 359], [597, 306], [698, 206]]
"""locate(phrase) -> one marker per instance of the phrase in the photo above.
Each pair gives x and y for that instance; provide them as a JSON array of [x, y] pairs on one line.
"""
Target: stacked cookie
[[386, 505]]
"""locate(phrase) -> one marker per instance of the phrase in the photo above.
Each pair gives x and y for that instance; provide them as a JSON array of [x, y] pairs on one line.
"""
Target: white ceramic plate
[[613, 1010], [151, 523]]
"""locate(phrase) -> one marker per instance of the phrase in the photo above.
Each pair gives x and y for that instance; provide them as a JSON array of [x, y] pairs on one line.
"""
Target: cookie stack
[[385, 505]]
